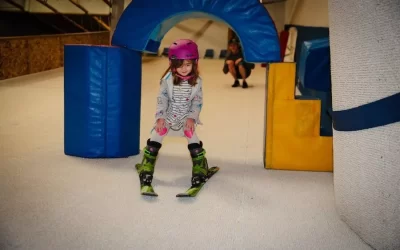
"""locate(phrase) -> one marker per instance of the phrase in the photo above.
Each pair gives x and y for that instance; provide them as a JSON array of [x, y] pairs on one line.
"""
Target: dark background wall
[[30, 24]]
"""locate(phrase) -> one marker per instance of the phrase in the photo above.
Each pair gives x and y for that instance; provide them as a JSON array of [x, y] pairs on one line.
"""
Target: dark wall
[[31, 24]]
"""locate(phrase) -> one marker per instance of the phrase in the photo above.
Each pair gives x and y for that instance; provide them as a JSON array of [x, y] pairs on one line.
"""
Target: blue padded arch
[[143, 25]]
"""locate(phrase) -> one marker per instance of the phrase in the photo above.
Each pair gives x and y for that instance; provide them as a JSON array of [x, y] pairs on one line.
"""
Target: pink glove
[[163, 131], [188, 133]]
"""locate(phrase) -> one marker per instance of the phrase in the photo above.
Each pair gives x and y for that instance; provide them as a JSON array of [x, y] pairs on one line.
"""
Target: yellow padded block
[[316, 157], [296, 118], [293, 126], [281, 81]]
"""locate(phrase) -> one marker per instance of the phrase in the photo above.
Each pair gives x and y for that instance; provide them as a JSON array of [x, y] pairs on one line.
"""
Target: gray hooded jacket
[[165, 96]]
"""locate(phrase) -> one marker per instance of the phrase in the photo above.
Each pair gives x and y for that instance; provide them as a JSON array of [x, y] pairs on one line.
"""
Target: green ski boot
[[146, 168], [200, 165], [200, 171]]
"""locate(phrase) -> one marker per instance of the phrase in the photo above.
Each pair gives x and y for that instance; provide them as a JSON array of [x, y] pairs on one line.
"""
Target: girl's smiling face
[[186, 68]]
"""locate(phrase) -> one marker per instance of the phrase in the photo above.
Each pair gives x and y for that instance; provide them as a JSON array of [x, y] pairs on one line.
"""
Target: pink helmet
[[183, 49]]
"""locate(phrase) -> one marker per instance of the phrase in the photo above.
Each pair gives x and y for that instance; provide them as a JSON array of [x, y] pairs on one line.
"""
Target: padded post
[[102, 89]]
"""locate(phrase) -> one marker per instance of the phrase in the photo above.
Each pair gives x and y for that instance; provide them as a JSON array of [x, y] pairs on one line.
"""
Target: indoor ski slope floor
[[52, 201]]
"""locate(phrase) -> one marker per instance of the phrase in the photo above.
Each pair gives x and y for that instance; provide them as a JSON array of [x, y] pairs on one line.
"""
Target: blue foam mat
[[102, 88], [306, 33], [314, 68], [326, 107], [143, 25]]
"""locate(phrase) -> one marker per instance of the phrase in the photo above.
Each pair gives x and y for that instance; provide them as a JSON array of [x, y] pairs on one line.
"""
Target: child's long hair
[[176, 79]]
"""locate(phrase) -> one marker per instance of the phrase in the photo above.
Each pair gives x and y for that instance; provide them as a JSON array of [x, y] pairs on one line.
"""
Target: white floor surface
[[52, 201]]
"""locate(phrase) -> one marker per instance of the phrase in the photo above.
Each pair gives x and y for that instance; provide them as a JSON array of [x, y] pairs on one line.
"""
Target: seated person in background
[[235, 64]]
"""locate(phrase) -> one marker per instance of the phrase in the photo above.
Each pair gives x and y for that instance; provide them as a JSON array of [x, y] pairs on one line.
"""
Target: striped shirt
[[178, 110]]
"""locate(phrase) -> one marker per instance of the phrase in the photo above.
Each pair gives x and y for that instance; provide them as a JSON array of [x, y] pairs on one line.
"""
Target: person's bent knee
[[230, 62], [240, 63]]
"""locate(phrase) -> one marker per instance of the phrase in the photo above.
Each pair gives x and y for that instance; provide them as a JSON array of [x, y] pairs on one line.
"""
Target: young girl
[[179, 104]]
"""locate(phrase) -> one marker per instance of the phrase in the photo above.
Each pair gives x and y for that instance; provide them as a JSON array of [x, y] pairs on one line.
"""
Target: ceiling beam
[[44, 2], [17, 5], [98, 20], [108, 3]]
